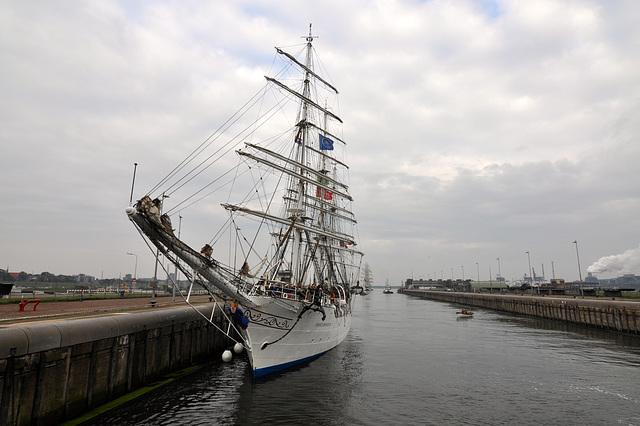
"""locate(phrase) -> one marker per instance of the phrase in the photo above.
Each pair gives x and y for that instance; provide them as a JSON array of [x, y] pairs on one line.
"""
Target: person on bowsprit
[[238, 315]]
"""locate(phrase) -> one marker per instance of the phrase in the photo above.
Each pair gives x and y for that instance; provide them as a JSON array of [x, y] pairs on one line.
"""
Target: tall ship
[[278, 245], [367, 277]]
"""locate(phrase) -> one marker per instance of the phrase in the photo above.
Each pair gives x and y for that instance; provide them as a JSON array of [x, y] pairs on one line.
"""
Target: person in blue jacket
[[238, 316]]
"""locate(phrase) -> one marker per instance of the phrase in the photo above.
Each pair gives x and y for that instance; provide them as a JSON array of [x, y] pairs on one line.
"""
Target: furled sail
[[297, 225], [293, 173], [303, 98], [306, 69], [296, 164]]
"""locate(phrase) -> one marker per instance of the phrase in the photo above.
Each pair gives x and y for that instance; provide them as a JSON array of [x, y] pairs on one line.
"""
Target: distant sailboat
[[368, 278], [387, 288]]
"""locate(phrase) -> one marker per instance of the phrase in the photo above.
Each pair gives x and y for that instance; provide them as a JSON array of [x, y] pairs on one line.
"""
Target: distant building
[[557, 283], [82, 278], [629, 281], [458, 285], [625, 281], [410, 283], [538, 279], [591, 279]]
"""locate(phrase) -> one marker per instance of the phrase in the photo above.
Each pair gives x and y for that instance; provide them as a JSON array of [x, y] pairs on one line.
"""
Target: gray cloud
[[476, 130]]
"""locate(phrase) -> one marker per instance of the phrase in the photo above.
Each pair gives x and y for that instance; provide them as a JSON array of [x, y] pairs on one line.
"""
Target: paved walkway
[[47, 310]]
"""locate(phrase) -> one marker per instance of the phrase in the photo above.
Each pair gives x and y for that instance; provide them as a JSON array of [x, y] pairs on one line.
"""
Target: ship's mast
[[297, 272]]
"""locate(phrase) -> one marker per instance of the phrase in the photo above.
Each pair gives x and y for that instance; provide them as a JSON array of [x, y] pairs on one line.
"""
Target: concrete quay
[[617, 315], [55, 368]]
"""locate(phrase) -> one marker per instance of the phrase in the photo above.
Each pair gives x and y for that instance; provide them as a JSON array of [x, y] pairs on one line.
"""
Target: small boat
[[387, 288], [464, 313]]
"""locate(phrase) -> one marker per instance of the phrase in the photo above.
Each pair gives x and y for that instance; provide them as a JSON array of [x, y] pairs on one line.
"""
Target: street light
[[135, 271], [490, 282], [530, 273], [478, 271], [579, 271]]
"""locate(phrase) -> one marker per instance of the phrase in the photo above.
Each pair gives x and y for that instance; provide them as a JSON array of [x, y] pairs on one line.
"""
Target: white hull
[[292, 334], [305, 339]]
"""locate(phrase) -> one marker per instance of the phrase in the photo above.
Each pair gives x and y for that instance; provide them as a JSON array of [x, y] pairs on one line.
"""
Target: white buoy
[[238, 348], [226, 355]]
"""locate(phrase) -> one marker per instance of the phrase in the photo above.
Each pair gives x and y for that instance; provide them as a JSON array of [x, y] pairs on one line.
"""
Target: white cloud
[[616, 265], [476, 130]]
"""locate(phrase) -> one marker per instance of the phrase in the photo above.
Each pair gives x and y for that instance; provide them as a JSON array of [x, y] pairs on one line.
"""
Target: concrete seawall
[[55, 371], [623, 316]]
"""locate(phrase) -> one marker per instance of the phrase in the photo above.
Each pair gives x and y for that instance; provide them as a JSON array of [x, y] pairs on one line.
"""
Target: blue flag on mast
[[326, 143]]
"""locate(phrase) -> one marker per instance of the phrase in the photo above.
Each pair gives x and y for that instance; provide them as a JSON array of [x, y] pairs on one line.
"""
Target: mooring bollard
[[23, 304]]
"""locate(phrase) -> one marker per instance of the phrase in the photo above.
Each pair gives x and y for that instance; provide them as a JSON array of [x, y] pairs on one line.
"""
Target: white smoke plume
[[618, 264]]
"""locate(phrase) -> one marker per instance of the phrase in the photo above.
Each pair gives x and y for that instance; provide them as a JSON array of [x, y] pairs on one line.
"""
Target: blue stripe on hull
[[274, 368]]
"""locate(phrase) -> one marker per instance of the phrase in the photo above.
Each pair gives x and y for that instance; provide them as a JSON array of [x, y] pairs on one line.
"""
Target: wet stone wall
[[51, 372], [623, 316]]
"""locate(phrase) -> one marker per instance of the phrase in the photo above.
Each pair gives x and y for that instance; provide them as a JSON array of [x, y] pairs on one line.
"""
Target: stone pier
[[618, 315], [57, 370]]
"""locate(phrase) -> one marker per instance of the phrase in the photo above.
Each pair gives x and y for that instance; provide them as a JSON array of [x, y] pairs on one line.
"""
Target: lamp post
[[135, 270], [490, 282], [530, 273], [579, 271], [478, 271]]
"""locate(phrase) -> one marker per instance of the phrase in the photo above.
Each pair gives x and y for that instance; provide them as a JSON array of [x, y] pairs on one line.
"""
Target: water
[[411, 361]]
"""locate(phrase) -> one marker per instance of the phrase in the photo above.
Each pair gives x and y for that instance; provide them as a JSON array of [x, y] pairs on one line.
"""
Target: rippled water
[[411, 361]]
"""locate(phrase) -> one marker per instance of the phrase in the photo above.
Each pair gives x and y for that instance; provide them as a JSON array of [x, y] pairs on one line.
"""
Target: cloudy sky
[[477, 130]]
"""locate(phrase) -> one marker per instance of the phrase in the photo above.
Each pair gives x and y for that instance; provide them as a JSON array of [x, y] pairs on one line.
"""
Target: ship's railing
[[283, 291], [310, 294]]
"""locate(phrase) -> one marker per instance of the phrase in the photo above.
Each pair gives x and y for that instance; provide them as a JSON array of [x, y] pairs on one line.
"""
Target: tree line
[[45, 277]]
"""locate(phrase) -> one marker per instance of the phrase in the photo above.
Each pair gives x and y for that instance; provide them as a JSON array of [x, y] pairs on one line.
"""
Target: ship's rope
[[222, 185], [220, 152], [183, 296], [207, 142], [199, 168]]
